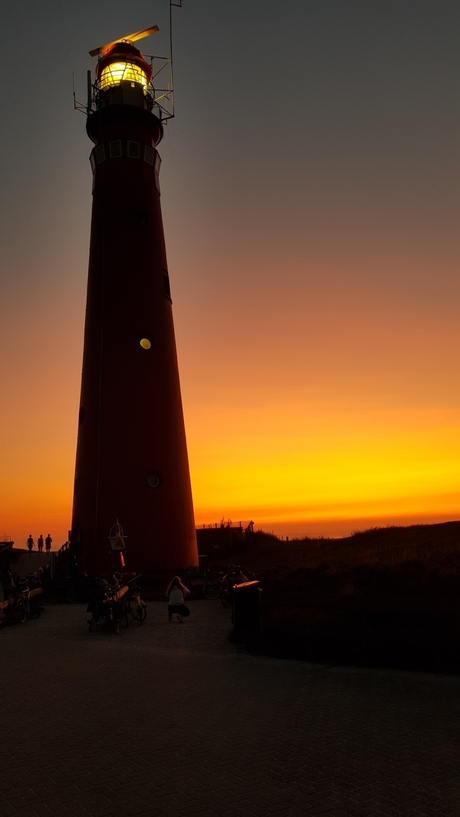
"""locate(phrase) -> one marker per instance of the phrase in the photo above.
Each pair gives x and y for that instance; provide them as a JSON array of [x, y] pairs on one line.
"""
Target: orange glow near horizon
[[322, 468], [357, 439], [294, 469]]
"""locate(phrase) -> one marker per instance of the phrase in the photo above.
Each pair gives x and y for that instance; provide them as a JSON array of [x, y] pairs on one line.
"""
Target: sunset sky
[[310, 192]]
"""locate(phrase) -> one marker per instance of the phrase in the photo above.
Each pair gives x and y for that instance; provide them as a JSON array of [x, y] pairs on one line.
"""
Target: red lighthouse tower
[[131, 462]]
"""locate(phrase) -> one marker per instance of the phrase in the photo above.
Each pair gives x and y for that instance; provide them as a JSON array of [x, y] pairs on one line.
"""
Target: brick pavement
[[174, 720]]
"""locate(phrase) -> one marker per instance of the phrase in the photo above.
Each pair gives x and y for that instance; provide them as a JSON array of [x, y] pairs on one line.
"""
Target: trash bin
[[246, 614]]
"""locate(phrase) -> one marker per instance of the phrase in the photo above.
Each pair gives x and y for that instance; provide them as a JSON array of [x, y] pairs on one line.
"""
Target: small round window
[[153, 480], [146, 343]]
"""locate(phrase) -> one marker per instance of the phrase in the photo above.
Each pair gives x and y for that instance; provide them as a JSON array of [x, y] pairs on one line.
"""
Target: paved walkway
[[24, 562], [173, 720]]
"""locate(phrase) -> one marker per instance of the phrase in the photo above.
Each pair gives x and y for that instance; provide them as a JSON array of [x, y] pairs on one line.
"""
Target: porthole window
[[153, 479], [139, 217], [145, 343]]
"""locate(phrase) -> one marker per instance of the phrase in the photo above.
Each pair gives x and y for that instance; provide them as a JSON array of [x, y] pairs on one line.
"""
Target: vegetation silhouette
[[380, 597]]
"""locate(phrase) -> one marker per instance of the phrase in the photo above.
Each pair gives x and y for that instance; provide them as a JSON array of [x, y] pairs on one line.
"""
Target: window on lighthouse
[[114, 73]]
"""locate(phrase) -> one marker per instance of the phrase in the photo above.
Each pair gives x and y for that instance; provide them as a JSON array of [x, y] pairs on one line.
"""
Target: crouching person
[[176, 594]]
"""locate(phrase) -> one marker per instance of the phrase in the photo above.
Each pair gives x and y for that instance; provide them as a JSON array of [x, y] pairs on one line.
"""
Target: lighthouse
[[131, 474]]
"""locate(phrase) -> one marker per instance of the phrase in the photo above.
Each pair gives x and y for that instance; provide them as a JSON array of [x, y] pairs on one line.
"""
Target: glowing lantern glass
[[116, 72]]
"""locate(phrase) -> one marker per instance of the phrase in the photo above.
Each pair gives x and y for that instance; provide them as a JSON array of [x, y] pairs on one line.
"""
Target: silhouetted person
[[176, 594], [48, 541], [40, 543], [8, 584], [30, 543]]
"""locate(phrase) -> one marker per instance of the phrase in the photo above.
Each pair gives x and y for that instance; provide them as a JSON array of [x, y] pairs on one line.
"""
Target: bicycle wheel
[[21, 612], [132, 607], [34, 608], [225, 598], [211, 590], [138, 609], [49, 596], [73, 595], [92, 622], [141, 612]]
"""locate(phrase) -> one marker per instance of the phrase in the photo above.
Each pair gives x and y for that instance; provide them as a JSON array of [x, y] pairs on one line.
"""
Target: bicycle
[[29, 597], [107, 604], [212, 585], [13, 611], [136, 606], [222, 586]]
